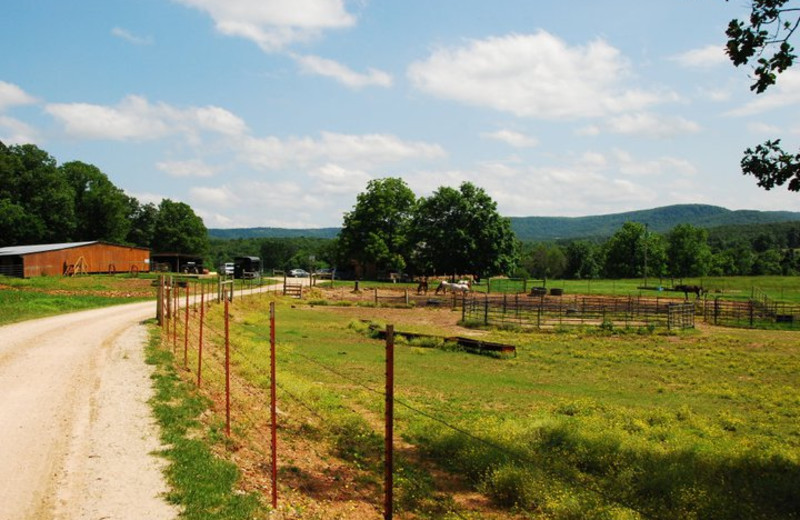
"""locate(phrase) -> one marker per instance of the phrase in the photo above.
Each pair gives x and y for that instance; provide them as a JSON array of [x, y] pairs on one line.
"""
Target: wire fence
[[234, 375], [233, 370], [539, 312]]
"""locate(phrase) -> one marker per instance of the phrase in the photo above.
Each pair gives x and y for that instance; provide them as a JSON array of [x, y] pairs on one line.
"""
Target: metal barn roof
[[40, 248]]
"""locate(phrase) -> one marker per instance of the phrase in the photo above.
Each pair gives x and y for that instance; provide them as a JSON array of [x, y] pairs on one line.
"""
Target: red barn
[[72, 258]]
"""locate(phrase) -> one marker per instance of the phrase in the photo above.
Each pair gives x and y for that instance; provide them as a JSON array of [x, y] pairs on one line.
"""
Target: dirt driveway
[[76, 433]]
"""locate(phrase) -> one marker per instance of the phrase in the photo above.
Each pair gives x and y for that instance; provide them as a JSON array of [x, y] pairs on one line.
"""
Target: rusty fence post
[[227, 372], [186, 330], [176, 293], [273, 406], [389, 433], [200, 342]]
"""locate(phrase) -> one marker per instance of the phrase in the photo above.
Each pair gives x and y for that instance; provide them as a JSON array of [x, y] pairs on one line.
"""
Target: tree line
[[44, 202], [685, 251]]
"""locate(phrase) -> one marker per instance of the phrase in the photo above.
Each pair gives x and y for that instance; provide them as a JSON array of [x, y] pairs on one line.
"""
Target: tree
[[582, 261], [460, 231], [178, 229], [766, 38], [101, 209], [633, 252], [33, 189], [142, 219], [688, 252], [544, 261], [374, 236]]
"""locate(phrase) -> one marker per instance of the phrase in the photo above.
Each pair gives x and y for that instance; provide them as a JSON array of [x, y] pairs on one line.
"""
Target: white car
[[227, 268], [298, 273]]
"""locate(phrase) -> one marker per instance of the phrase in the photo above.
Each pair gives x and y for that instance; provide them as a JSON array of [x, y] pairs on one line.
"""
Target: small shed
[[72, 258]]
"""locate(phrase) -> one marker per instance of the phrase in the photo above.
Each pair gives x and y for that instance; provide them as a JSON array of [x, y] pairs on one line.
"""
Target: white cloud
[[342, 74], [785, 92], [14, 131], [11, 95], [763, 128], [190, 168], [588, 130], [708, 56], [626, 164], [274, 24], [221, 196], [535, 75], [652, 125], [135, 118], [515, 139], [353, 151], [332, 178], [129, 37]]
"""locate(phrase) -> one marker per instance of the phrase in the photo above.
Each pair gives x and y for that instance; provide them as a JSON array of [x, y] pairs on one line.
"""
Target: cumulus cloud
[[332, 69], [190, 168], [785, 92], [356, 151], [221, 196], [535, 75], [652, 125], [332, 178], [14, 131], [708, 56], [274, 24], [11, 95], [129, 37], [135, 118], [515, 139]]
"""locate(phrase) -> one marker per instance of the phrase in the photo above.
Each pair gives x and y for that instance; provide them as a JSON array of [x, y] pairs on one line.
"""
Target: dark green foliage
[[41, 202], [688, 252], [35, 193], [177, 229], [101, 209], [375, 234], [765, 38], [460, 231]]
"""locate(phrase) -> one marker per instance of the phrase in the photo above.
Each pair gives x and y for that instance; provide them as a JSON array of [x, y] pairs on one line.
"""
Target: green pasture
[[23, 299], [578, 425], [779, 288]]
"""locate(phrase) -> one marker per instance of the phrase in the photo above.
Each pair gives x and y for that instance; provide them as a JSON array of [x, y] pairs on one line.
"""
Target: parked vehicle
[[226, 268], [247, 267], [298, 273]]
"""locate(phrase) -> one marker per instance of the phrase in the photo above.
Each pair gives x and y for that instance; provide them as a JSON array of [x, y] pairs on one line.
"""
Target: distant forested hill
[[268, 232], [659, 220], [536, 229]]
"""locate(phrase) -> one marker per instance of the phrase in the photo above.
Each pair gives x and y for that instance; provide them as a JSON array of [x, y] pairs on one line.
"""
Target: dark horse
[[695, 289], [423, 286]]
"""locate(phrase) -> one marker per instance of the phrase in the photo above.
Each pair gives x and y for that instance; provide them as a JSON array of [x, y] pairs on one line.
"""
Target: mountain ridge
[[660, 219]]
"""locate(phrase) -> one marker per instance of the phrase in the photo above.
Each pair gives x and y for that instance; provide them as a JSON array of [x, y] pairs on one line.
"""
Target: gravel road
[[76, 434]]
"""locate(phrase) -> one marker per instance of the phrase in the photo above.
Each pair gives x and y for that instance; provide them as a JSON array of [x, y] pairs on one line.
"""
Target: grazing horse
[[423, 286], [454, 287], [695, 289]]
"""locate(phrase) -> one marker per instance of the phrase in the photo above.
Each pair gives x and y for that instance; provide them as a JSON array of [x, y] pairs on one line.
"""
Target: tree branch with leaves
[[765, 38]]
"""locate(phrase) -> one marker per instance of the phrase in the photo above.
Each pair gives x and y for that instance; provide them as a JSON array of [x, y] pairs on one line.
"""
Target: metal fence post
[[200, 342], [227, 371], [389, 430], [273, 406]]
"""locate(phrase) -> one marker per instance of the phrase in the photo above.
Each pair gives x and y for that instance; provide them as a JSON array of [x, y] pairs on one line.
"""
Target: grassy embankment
[[578, 425], [22, 299]]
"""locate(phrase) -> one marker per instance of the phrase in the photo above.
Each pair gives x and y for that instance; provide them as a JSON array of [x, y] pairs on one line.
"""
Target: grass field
[[22, 299], [704, 424], [780, 288]]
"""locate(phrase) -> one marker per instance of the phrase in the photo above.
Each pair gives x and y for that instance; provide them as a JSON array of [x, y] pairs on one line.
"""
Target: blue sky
[[278, 112]]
